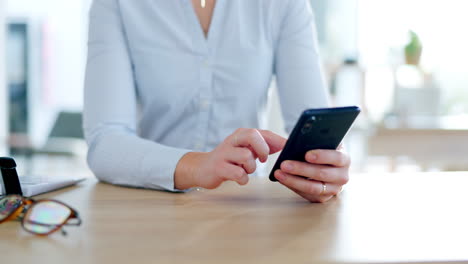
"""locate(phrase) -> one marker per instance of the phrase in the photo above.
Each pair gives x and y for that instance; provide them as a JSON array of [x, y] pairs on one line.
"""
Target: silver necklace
[[203, 3]]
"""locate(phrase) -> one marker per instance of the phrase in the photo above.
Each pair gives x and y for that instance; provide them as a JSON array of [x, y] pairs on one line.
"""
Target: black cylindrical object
[[10, 176]]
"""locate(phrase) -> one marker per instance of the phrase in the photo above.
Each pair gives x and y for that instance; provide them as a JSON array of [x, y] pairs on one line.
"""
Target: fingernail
[[280, 176], [313, 157], [287, 166]]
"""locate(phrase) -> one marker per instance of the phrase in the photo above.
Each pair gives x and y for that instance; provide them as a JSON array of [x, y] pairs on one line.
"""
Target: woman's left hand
[[318, 179]]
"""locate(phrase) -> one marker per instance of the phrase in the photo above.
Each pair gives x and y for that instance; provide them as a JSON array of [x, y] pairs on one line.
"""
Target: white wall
[[3, 93]]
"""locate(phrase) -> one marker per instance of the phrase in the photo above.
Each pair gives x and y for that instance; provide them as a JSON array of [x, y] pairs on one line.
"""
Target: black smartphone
[[322, 128]]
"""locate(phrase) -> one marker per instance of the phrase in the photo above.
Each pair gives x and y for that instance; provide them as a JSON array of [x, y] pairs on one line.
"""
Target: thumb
[[274, 141]]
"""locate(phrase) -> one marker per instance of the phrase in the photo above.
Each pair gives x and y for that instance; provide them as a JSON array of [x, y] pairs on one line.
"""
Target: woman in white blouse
[[174, 91]]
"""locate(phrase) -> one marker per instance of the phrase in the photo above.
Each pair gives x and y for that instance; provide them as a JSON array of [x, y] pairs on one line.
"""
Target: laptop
[[30, 185]]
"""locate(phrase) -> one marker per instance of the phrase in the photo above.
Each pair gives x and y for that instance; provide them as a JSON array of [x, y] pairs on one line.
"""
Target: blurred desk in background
[[442, 148], [386, 218], [65, 139]]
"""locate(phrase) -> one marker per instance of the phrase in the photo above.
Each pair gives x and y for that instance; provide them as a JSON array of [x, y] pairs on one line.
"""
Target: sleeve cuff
[[159, 168]]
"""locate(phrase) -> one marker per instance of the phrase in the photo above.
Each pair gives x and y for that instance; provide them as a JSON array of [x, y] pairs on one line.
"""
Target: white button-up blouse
[[156, 87]]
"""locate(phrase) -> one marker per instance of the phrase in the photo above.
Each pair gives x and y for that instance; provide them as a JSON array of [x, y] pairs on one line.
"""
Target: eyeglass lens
[[45, 216]]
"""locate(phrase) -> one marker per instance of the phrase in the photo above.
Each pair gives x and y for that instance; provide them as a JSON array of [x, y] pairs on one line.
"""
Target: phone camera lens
[[307, 127], [309, 124]]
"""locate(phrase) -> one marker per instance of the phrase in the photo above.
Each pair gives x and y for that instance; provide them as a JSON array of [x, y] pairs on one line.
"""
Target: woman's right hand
[[232, 160]]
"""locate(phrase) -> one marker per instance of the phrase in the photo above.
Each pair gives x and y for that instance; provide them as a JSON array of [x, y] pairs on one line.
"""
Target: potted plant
[[413, 49]]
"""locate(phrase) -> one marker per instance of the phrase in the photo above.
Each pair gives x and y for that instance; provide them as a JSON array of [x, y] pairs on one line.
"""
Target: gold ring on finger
[[324, 188]]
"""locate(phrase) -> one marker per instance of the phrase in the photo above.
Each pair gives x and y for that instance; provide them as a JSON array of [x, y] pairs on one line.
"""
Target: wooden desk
[[400, 218], [443, 148]]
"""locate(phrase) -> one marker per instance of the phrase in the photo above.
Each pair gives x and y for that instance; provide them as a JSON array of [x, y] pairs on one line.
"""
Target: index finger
[[274, 141], [253, 139]]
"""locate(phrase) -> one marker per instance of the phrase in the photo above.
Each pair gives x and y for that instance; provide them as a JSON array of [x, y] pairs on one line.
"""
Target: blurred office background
[[403, 62]]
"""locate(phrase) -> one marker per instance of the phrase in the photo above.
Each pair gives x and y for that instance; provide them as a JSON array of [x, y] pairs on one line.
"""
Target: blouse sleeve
[[116, 153], [298, 69]]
